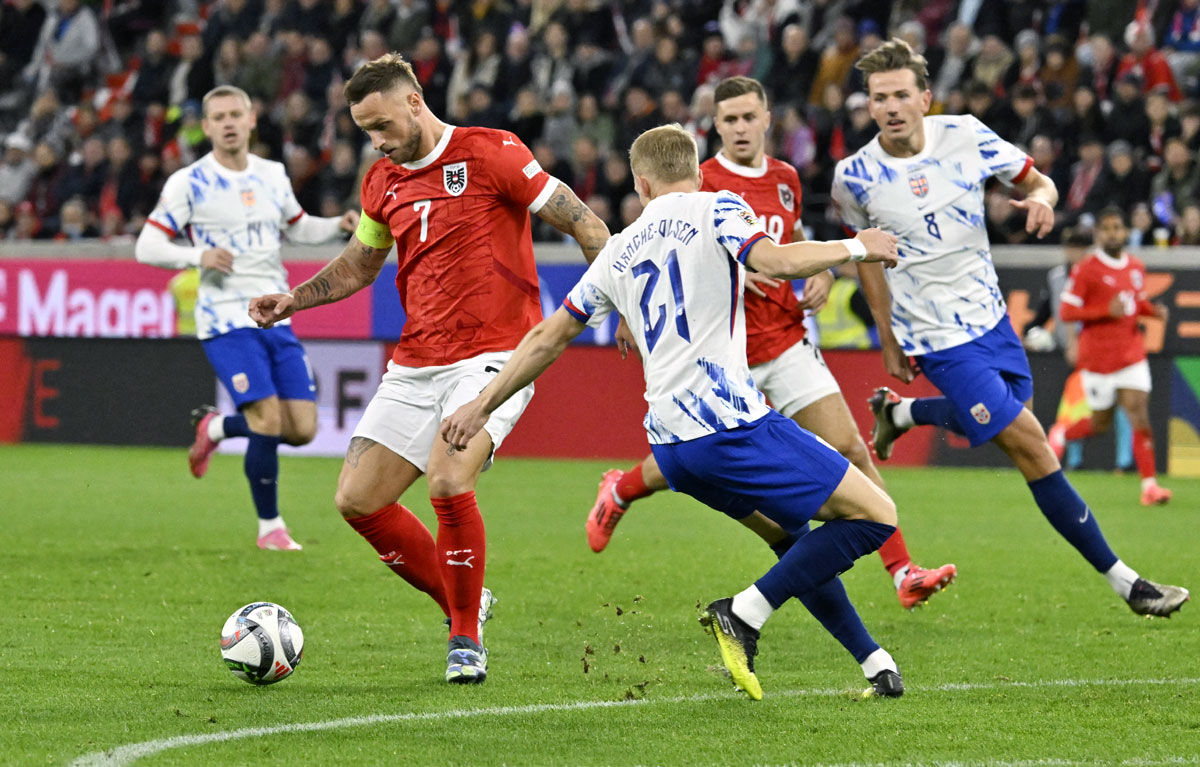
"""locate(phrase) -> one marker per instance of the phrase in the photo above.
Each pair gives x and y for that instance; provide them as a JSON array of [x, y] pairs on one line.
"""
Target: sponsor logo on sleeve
[[532, 169], [747, 216]]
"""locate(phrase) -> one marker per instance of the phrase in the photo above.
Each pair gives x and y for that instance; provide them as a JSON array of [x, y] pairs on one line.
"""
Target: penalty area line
[[121, 756]]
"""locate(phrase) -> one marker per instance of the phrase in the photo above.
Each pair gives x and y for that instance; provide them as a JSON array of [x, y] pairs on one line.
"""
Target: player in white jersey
[[234, 208], [922, 178], [676, 274]]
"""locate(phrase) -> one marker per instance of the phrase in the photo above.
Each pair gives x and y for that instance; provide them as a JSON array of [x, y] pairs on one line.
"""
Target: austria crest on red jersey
[[786, 198], [918, 184], [454, 178]]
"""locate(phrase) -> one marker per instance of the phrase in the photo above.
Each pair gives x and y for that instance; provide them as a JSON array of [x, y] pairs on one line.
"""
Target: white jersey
[[676, 276], [241, 211], [944, 290]]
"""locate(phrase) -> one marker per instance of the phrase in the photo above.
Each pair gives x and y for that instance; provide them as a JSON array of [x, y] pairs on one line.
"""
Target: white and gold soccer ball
[[261, 643]]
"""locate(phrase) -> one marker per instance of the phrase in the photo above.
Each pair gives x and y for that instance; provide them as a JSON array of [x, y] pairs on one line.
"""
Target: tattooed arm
[[356, 267], [567, 213]]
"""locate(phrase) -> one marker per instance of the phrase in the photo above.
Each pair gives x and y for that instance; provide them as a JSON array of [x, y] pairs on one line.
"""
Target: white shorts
[[795, 379], [1100, 389], [408, 408]]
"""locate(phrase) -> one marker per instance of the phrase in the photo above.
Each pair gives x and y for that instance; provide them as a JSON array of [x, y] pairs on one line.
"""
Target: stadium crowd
[[100, 101]]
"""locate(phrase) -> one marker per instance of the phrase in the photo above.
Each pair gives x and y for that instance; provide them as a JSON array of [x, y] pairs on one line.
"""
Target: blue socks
[[1072, 518], [935, 411], [235, 426], [262, 471], [819, 556]]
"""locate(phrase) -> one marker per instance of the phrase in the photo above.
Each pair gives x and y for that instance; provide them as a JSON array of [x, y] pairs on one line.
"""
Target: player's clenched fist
[[881, 246], [269, 309]]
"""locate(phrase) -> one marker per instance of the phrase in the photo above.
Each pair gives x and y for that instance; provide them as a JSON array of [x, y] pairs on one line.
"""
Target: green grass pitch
[[119, 569]]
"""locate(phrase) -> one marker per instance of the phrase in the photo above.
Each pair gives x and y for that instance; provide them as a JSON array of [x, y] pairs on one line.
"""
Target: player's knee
[[855, 450], [883, 510], [300, 434], [351, 502], [448, 485]]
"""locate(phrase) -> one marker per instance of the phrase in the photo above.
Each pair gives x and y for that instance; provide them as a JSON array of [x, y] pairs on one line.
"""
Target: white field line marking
[[128, 754], [1170, 761]]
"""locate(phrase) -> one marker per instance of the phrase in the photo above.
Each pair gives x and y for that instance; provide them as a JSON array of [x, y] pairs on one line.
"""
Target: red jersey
[[776, 323], [1107, 343], [460, 218]]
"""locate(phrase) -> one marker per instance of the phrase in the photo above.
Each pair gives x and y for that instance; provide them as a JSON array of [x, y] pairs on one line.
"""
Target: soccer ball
[[261, 643]]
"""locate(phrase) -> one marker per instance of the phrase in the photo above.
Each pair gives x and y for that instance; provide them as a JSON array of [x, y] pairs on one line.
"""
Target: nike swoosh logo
[[490, 369], [1086, 512]]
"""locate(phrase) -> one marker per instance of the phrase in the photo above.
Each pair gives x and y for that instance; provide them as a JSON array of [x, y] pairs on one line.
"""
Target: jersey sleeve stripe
[[551, 184], [742, 251], [574, 311], [170, 232], [295, 218], [1024, 171]]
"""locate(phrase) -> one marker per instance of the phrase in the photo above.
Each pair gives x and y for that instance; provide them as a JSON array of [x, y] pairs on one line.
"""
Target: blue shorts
[[986, 380], [254, 364], [772, 466]]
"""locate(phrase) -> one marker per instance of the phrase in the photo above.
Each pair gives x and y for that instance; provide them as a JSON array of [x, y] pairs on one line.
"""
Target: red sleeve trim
[[745, 249], [1024, 171], [574, 311], [295, 218], [849, 230], [170, 232]]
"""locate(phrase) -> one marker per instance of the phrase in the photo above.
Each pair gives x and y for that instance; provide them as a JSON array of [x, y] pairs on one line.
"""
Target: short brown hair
[[732, 87], [380, 76], [666, 153], [890, 56], [223, 90]]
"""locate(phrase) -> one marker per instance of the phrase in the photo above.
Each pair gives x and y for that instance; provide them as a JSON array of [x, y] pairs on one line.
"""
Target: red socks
[[631, 486], [461, 546], [405, 545], [1143, 452], [1079, 430], [894, 552]]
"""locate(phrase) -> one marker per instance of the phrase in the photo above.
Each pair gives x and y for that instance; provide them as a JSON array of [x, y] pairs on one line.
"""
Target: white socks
[[899, 576], [878, 661], [266, 526], [752, 607], [902, 413], [1121, 577], [216, 428]]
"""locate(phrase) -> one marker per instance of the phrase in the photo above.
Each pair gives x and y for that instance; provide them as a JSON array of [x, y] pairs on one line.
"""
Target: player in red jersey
[[1107, 293], [785, 365], [456, 202]]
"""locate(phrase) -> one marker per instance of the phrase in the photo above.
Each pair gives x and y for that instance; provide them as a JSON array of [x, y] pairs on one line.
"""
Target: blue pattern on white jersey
[[944, 290], [674, 274], [244, 212]]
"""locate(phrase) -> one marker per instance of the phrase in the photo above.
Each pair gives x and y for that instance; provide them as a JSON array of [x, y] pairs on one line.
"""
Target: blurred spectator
[[1004, 225], [131, 20], [588, 174], [961, 48], [1189, 124], [701, 114], [230, 18], [66, 51], [301, 126], [1141, 226], [798, 141], [1049, 162], [526, 119], [308, 17], [631, 208], [302, 170], [560, 126], [585, 18], [137, 197], [1127, 117], [494, 17], [594, 123], [792, 74], [27, 225], [600, 205], [227, 64], [553, 64], [18, 169], [913, 33], [1162, 126], [1085, 117], [477, 68], [640, 115], [260, 74], [1123, 183], [1028, 64], [1059, 73], [153, 83], [1189, 226], [6, 219], [516, 67], [860, 128], [377, 17], [408, 24], [319, 71], [45, 185], [341, 29], [672, 108], [1084, 175], [294, 57], [481, 111], [122, 121], [74, 222], [1181, 43], [715, 62], [85, 180], [640, 51], [433, 71], [339, 179], [551, 162], [837, 59], [592, 67], [618, 182], [1148, 63], [668, 70], [992, 63], [1177, 184], [191, 77], [20, 27], [1032, 119]]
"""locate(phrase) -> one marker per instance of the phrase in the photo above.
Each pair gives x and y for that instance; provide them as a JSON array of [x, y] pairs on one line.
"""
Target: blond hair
[[223, 90], [380, 76], [666, 153], [890, 56]]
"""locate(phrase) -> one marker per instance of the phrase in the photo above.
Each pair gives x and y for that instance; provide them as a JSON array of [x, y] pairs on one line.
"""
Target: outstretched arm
[[540, 347], [567, 213], [804, 259], [356, 267]]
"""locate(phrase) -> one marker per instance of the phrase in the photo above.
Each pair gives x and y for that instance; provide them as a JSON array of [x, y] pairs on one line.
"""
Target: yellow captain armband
[[371, 232]]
